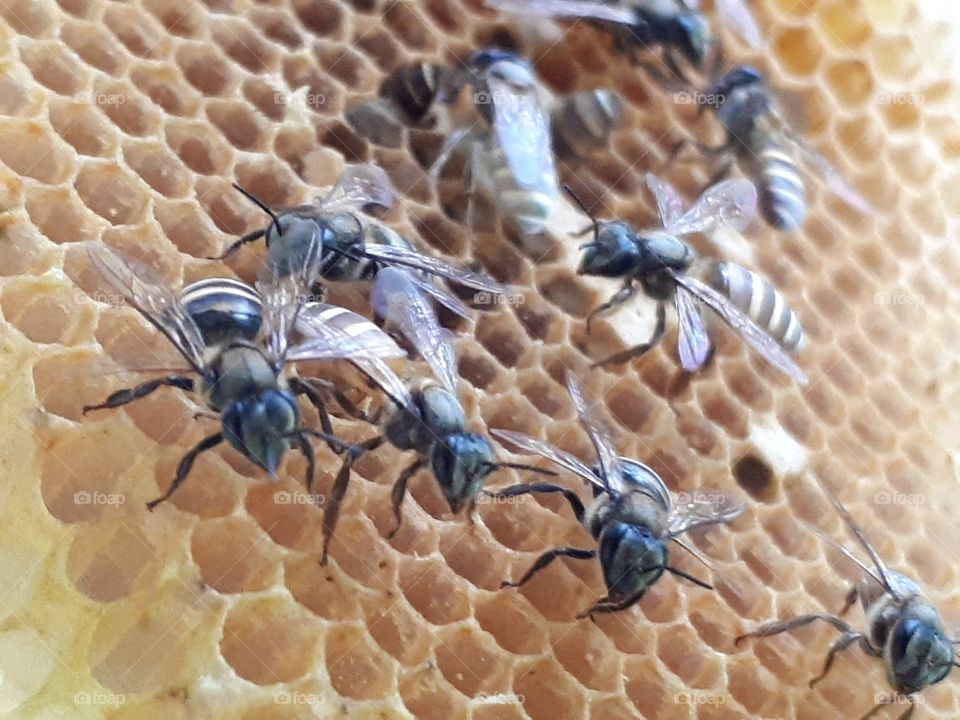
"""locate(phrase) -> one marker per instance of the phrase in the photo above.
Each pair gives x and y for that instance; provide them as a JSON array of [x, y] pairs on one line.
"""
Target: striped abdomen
[[761, 302], [782, 194], [223, 309], [584, 121], [526, 209]]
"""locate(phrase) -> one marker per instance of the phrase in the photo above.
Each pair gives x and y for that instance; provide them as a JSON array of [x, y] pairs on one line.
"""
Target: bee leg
[[607, 605], [513, 490], [232, 248], [186, 463], [849, 601], [331, 508], [775, 628], [301, 387], [639, 350], [548, 557], [839, 645], [127, 395], [400, 491], [619, 297]]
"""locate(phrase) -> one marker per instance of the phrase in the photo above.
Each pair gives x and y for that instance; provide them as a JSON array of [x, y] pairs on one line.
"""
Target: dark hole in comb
[[756, 477]]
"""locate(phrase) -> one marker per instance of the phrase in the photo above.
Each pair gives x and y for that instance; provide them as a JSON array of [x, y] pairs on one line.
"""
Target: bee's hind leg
[[639, 350], [619, 297], [128, 395], [186, 463], [781, 626], [400, 491], [839, 645], [548, 557]]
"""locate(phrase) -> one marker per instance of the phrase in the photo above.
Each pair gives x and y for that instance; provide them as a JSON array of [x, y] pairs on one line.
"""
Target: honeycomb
[[126, 122]]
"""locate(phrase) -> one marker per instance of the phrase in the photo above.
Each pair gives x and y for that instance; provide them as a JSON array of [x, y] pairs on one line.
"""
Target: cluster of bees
[[240, 342]]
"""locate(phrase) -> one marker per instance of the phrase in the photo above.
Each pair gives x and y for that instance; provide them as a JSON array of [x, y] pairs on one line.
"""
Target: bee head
[[631, 557], [461, 463], [613, 252], [260, 426], [693, 37], [919, 652], [741, 76]]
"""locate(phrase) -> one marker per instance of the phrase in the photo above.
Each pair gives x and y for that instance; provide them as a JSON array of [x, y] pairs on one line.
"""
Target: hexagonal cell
[[471, 662], [199, 147], [47, 312], [205, 68], [109, 560], [234, 555], [166, 88], [357, 669], [160, 168], [113, 193], [84, 127], [183, 19], [238, 125], [245, 47], [95, 45], [127, 109], [548, 691], [54, 67]]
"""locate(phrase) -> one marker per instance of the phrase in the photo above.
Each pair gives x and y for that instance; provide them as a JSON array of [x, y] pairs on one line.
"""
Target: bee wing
[[737, 15], [566, 8], [834, 180], [611, 471], [756, 338], [360, 185], [523, 128], [731, 202], [400, 303], [531, 445], [332, 332], [285, 293], [411, 258], [669, 203], [153, 299], [693, 341], [701, 509], [441, 295]]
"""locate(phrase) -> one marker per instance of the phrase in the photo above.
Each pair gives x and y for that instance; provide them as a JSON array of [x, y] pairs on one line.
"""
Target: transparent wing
[[823, 170], [522, 127], [442, 296], [566, 8], [331, 332], [731, 202], [531, 445], [701, 508], [388, 381], [737, 15], [285, 293], [693, 341], [153, 299], [398, 300], [611, 471], [764, 345], [413, 259], [669, 203], [359, 186]]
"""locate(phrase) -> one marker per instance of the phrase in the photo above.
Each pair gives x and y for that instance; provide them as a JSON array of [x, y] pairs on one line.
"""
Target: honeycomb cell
[[54, 67], [84, 127], [357, 669], [140, 34], [95, 45], [234, 555], [113, 193], [108, 560], [158, 167], [166, 89]]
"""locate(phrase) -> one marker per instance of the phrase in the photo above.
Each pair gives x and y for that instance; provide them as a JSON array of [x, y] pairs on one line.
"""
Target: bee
[[354, 248], [769, 152], [426, 417], [658, 260], [584, 121], [632, 517], [511, 160], [904, 629], [676, 26], [240, 370], [413, 88], [757, 298]]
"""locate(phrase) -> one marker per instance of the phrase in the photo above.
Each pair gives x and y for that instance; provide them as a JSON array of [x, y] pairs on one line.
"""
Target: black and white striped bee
[[511, 159], [676, 26], [237, 342], [632, 517], [583, 122], [355, 248], [659, 261], [768, 150], [425, 417], [904, 629]]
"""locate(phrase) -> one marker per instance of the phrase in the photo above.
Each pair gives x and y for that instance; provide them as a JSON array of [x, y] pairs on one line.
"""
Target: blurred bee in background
[[237, 341], [659, 261], [583, 122], [511, 159], [768, 150], [426, 417], [355, 248], [904, 629], [414, 88], [677, 27], [632, 517]]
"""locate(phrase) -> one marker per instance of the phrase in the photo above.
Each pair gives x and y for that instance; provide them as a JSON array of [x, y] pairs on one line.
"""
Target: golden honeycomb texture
[[127, 122]]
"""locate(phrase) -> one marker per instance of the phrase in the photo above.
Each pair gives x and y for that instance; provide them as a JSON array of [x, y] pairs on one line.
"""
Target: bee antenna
[[687, 576], [579, 201], [521, 466], [260, 204]]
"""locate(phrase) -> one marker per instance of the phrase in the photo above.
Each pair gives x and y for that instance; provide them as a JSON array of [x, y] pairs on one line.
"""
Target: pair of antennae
[[260, 204]]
